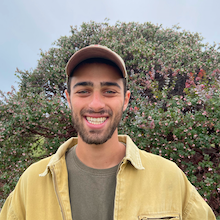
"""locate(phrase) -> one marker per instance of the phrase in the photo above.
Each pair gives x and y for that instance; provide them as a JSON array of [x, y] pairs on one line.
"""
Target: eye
[[110, 92], [82, 92]]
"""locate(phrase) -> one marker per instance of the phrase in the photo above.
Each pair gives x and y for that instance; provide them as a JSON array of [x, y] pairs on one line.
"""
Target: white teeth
[[95, 121]]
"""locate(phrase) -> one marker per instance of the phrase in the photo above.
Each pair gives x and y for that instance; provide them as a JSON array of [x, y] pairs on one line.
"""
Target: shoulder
[[163, 167], [31, 174], [155, 160], [39, 166], [27, 184]]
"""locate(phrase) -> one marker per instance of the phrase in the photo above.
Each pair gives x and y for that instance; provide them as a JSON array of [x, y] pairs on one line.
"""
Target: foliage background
[[174, 108]]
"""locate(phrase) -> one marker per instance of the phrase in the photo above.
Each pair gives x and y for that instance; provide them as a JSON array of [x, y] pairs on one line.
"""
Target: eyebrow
[[110, 84], [83, 84], [88, 83]]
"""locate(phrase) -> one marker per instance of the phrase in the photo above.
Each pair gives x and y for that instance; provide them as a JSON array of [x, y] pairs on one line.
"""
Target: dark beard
[[93, 137]]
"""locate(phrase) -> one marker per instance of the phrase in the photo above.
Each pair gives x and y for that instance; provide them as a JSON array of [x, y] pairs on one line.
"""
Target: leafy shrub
[[174, 110]]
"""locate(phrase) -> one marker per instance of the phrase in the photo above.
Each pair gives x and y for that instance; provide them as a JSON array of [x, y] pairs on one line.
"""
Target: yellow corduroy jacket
[[148, 187]]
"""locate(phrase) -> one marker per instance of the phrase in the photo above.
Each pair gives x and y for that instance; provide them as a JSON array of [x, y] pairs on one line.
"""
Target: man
[[101, 175]]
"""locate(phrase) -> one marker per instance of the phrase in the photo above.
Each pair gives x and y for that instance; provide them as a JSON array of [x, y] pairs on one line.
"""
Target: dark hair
[[96, 60]]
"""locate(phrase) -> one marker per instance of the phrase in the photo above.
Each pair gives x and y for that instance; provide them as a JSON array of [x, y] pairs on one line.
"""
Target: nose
[[97, 102]]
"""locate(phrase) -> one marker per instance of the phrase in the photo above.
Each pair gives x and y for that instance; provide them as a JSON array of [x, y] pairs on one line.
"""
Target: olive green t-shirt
[[92, 191]]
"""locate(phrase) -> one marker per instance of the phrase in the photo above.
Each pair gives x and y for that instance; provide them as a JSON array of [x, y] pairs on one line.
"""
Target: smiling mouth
[[96, 121]]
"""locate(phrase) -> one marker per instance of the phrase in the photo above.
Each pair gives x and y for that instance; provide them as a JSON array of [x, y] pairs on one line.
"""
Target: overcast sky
[[29, 25]]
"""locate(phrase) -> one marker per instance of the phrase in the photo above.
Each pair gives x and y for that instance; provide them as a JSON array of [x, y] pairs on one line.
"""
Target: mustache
[[101, 112]]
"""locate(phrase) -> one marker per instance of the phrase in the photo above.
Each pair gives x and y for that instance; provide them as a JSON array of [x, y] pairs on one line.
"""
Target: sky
[[29, 25]]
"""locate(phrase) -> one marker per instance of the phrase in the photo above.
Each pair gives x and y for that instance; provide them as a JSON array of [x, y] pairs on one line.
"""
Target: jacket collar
[[132, 152]]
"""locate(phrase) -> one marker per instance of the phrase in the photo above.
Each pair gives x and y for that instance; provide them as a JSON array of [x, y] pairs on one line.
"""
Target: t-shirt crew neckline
[[85, 168]]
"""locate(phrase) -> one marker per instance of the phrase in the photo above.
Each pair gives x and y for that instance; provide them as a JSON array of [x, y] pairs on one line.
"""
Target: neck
[[101, 156]]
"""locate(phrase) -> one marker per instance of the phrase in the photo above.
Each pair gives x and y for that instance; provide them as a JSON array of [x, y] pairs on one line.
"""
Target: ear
[[126, 100], [68, 98]]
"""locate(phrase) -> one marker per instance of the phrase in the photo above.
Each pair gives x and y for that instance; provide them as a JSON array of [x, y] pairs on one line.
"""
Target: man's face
[[97, 102]]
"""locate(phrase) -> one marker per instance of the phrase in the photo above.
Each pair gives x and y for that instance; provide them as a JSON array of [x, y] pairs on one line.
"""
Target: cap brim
[[95, 51]]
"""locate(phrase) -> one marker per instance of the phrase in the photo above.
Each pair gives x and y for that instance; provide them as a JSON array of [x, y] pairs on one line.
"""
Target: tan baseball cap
[[95, 51]]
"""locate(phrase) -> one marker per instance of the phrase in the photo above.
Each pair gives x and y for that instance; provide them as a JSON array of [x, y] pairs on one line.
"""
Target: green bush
[[174, 110]]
